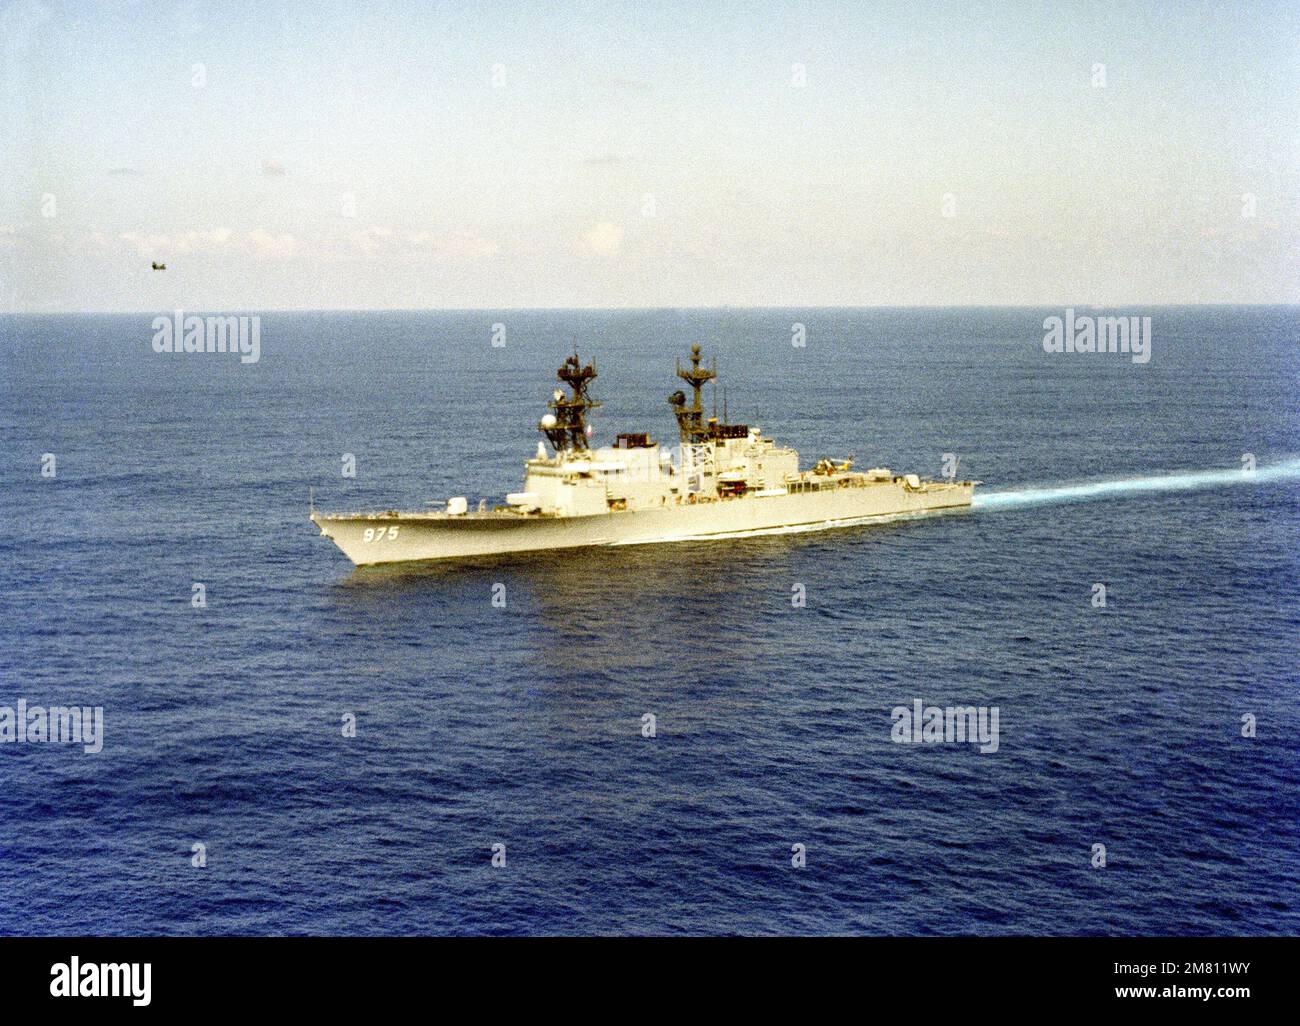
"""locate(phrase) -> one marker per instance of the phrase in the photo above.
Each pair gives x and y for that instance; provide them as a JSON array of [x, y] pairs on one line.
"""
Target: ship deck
[[806, 483]]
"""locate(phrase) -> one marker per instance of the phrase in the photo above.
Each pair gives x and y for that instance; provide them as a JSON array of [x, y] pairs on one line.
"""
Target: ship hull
[[379, 538]]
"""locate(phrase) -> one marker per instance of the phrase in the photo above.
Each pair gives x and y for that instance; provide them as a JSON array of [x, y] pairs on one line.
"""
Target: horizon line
[[641, 309]]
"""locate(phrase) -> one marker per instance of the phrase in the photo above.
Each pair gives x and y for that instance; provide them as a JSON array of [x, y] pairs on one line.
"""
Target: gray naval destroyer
[[725, 481]]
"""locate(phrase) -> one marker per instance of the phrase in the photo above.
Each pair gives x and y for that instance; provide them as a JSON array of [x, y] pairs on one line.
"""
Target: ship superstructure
[[724, 480]]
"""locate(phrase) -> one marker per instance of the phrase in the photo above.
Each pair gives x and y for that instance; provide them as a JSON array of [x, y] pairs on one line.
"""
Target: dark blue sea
[[477, 725]]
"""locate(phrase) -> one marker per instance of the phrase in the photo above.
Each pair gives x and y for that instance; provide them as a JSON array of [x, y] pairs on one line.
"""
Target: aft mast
[[697, 462], [690, 419]]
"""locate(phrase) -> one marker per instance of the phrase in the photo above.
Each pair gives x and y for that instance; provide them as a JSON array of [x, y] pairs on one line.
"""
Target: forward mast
[[566, 428]]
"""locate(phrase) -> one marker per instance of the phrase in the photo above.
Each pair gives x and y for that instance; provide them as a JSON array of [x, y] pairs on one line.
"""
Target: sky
[[652, 154]]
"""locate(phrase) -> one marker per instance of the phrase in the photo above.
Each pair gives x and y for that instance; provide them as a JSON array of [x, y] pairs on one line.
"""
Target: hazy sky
[[522, 154]]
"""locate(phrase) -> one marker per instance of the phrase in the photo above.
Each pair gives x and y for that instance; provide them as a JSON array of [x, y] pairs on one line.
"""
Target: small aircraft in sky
[[159, 267]]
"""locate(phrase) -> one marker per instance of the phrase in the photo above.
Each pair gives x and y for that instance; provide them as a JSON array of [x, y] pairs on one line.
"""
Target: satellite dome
[[548, 421]]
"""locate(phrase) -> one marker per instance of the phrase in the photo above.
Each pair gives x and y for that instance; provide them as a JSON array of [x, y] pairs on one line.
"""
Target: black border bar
[[935, 976]]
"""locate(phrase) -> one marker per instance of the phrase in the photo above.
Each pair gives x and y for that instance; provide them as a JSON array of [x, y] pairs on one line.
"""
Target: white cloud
[[456, 245], [603, 238], [88, 242], [162, 244], [272, 247], [370, 240]]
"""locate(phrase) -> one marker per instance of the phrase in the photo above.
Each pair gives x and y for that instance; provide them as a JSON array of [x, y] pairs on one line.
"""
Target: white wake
[[1286, 470]]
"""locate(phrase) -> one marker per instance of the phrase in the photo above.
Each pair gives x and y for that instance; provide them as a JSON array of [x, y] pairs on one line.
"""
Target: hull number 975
[[374, 534]]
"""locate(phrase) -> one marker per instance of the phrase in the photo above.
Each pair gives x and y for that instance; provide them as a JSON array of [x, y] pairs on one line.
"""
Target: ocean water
[[476, 725]]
